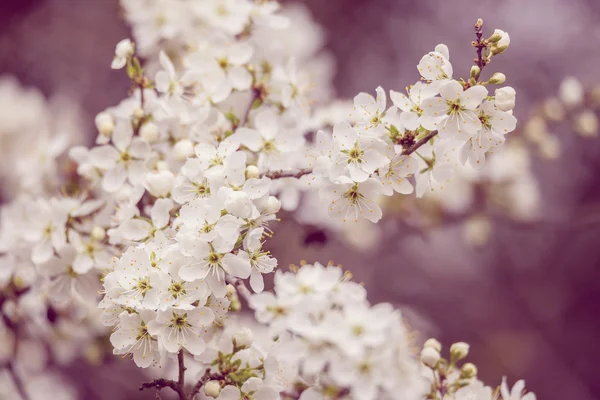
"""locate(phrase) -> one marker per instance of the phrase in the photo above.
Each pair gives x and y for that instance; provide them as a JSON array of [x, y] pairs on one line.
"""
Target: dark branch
[[159, 384], [419, 143]]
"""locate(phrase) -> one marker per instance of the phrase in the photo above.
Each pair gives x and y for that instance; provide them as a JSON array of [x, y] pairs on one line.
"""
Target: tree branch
[[208, 376], [306, 171], [419, 143], [159, 384], [177, 386], [287, 174], [181, 379]]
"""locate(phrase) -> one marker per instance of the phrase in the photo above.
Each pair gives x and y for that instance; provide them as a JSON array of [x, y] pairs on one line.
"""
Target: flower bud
[[138, 113], [149, 132], [124, 48], [433, 343], [230, 291], [105, 124], [430, 356], [505, 98], [475, 71], [162, 166], [468, 370], [498, 78], [459, 350], [159, 184], [495, 38], [212, 389], [243, 338], [183, 149], [252, 172], [504, 40], [98, 233], [273, 205]]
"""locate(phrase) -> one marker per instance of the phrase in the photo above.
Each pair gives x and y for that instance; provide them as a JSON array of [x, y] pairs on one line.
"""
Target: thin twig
[[244, 119]]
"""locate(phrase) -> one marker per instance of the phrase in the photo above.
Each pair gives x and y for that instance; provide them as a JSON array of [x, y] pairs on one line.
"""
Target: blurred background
[[524, 292]]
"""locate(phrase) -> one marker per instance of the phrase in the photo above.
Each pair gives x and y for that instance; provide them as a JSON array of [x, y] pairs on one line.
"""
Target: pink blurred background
[[528, 302]]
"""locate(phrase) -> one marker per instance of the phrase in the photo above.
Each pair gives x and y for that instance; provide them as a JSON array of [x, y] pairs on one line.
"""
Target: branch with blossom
[[189, 171]]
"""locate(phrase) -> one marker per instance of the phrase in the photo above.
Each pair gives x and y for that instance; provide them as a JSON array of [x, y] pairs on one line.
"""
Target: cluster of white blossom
[[341, 345], [188, 171]]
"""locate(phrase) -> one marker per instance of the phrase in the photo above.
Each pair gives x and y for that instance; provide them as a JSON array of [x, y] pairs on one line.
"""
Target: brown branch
[[419, 143], [208, 376], [181, 379], [159, 384], [480, 45], [287, 174], [177, 386]]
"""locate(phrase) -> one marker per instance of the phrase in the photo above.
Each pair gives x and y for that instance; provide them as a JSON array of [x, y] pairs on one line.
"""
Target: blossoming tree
[[169, 213]]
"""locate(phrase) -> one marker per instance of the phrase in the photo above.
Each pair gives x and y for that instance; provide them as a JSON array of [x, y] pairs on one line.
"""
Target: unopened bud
[[138, 113], [98, 233], [230, 291], [243, 338], [498, 78], [475, 71], [183, 149], [162, 166], [434, 344], [273, 205], [499, 50], [212, 389], [252, 172], [159, 184], [430, 356], [149, 132], [468, 370], [105, 124], [501, 44], [459, 350], [495, 38]]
